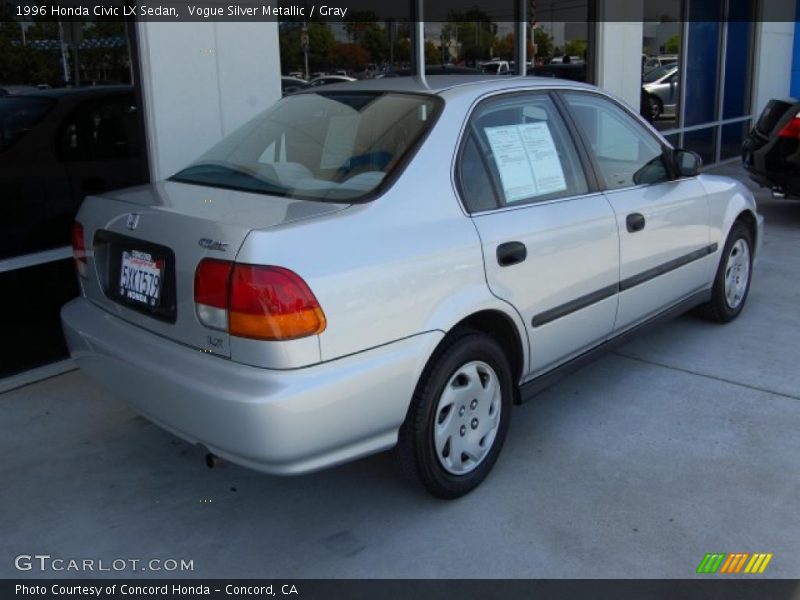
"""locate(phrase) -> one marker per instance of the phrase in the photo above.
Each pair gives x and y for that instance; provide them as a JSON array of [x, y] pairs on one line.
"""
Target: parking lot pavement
[[681, 443]]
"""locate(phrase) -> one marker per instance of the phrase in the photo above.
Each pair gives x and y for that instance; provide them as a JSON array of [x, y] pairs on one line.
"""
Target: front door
[[663, 221]]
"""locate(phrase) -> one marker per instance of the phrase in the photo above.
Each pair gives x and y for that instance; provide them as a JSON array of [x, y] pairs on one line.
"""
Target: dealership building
[[191, 83]]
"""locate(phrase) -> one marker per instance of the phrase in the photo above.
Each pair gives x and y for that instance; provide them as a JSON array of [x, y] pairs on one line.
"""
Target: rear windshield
[[337, 146], [18, 114], [773, 112]]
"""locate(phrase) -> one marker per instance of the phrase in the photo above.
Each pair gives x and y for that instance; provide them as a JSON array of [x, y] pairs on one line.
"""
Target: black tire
[[656, 106], [719, 309], [416, 451]]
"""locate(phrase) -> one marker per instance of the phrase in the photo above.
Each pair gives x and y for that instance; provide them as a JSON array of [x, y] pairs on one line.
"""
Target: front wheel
[[732, 281], [459, 415]]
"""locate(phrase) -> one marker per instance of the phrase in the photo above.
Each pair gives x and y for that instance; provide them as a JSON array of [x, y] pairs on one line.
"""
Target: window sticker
[[339, 141], [526, 159]]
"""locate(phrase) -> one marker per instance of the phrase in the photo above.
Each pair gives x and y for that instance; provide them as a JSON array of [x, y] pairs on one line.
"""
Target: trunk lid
[[172, 226]]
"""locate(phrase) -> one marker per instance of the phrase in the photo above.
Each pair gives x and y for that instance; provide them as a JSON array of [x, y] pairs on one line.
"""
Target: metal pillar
[[418, 42], [521, 41]]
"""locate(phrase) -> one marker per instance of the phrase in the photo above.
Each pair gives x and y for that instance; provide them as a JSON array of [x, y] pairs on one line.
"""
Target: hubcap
[[737, 273], [467, 417]]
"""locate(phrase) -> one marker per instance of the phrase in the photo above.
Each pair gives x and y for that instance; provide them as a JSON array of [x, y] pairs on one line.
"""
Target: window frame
[[467, 132], [667, 149]]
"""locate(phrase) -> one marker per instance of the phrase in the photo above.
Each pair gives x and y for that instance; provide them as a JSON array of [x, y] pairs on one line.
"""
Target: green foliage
[[576, 48], [544, 43], [320, 44], [673, 44], [475, 33]]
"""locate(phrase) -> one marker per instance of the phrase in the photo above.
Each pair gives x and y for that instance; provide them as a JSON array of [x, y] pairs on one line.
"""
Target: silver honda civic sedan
[[386, 264]]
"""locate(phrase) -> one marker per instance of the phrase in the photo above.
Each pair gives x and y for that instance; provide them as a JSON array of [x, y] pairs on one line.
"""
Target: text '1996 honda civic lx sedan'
[[389, 264]]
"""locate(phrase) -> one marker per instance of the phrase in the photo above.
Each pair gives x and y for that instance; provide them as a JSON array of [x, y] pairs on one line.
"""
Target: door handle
[[634, 222], [511, 253]]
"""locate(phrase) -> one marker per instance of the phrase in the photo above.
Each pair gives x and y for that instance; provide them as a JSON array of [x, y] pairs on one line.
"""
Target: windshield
[[336, 146], [18, 114], [658, 73]]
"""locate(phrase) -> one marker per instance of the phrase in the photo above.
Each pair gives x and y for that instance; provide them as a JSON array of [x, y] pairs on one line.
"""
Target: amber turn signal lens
[[272, 303]]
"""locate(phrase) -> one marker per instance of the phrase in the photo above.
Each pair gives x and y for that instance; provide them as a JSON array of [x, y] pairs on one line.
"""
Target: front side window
[[527, 149], [626, 154], [337, 146]]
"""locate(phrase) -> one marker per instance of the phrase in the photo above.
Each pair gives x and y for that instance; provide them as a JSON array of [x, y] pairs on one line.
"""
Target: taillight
[[257, 302], [79, 250], [791, 129], [211, 292]]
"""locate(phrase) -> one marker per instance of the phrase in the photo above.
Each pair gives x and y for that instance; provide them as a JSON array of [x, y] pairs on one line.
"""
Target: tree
[[433, 53], [504, 47], [349, 56], [576, 48], [475, 32], [544, 44], [320, 44], [672, 45]]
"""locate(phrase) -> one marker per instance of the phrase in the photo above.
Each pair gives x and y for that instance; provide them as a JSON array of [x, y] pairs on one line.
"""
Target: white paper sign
[[542, 157], [526, 160]]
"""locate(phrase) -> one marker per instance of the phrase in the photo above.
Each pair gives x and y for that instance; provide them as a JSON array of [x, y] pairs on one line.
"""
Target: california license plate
[[140, 278]]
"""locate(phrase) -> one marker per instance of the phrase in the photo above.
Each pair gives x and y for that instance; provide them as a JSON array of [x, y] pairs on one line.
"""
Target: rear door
[[550, 242], [665, 253]]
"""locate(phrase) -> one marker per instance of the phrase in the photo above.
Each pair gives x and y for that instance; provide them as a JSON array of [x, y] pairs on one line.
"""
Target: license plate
[[140, 278]]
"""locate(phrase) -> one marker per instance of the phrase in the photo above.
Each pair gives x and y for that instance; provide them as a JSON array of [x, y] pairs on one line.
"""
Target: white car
[[383, 264]]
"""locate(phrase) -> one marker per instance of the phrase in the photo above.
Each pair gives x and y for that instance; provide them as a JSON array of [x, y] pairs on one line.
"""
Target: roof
[[436, 84]]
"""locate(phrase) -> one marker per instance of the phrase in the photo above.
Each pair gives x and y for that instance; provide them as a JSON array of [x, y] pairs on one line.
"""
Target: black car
[[57, 146], [290, 85], [771, 152]]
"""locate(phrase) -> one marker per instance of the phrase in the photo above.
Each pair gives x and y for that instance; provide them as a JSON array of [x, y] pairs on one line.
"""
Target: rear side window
[[518, 151]]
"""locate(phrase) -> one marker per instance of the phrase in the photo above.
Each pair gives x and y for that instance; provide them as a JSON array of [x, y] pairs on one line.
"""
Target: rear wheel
[[732, 282], [459, 416]]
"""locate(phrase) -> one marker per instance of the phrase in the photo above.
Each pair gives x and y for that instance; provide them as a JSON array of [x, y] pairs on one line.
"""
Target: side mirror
[[687, 162]]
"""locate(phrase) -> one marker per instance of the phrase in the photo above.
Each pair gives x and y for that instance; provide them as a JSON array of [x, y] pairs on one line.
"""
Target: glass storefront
[[478, 39], [697, 63], [70, 125]]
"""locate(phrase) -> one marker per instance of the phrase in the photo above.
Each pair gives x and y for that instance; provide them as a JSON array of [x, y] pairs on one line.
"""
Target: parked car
[[654, 62], [496, 67], [56, 146], [10, 89], [329, 79], [290, 85], [771, 151], [565, 60], [662, 88], [384, 264], [431, 70]]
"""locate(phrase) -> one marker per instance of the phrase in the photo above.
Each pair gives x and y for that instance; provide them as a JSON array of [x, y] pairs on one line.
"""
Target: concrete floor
[[681, 443]]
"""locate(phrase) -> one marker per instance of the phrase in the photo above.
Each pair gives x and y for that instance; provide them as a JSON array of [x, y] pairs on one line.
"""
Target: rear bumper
[[283, 422]]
